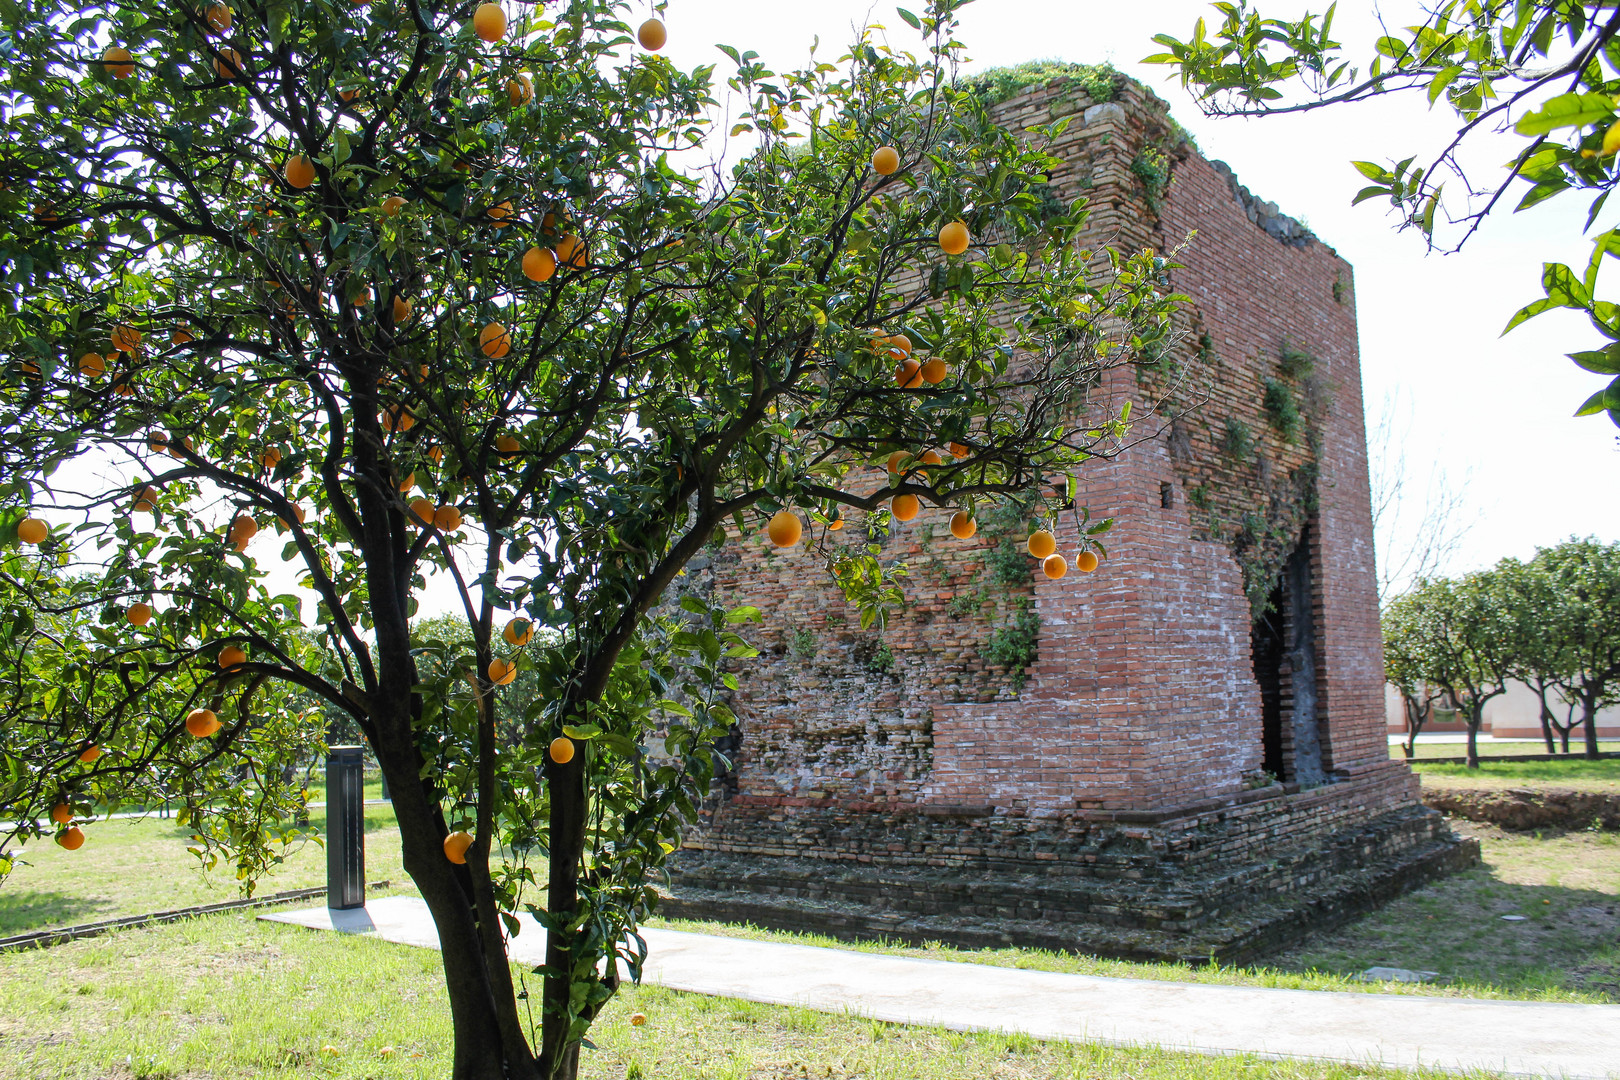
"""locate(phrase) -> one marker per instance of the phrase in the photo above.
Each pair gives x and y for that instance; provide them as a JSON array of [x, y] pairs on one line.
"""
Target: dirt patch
[[1527, 809]]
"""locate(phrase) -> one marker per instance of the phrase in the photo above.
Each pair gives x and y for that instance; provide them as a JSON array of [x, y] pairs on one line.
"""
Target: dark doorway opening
[[1283, 644], [1266, 640]]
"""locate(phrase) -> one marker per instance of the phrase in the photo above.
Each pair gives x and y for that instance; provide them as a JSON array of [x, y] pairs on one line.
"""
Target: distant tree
[[1541, 656], [1583, 578], [1547, 70], [1457, 637], [1406, 666]]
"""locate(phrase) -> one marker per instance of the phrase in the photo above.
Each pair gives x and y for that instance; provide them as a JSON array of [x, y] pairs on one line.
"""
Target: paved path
[[1524, 1038]]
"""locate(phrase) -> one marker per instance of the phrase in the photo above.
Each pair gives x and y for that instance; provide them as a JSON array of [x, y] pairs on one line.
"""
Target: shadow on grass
[[22, 910]]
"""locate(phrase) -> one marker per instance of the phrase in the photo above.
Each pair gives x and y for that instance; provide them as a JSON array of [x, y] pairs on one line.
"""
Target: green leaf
[[911, 20], [1601, 362], [1566, 110], [1597, 403]]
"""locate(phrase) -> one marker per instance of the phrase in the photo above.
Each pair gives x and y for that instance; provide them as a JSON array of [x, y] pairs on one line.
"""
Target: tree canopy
[[441, 288], [1548, 71]]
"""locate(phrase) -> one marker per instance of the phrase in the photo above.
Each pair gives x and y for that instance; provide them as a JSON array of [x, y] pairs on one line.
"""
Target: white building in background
[[1511, 715]]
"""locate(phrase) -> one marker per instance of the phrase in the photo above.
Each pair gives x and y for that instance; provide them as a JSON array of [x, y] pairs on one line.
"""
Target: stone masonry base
[[1230, 884]]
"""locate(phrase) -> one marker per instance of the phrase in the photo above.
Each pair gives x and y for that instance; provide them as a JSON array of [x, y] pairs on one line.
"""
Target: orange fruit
[[271, 457], [92, 366], [931, 457], [953, 238], [177, 442], [499, 212], [652, 35], [146, 500], [1041, 543], [407, 483], [784, 528], [398, 416], [835, 524], [139, 614], [1054, 566], [539, 264], [434, 454], [489, 22], [959, 451], [71, 838], [637, 1019], [885, 161], [218, 18], [31, 530], [896, 461], [519, 90], [571, 252], [934, 371], [561, 750], [518, 632], [126, 338], [300, 171], [456, 845], [61, 813], [348, 95], [402, 310], [232, 656], [908, 375], [117, 62], [501, 671], [1086, 562], [201, 723], [905, 507], [962, 525], [243, 528], [447, 519], [494, 340], [90, 754], [180, 336], [423, 509], [228, 65], [392, 205], [507, 446]]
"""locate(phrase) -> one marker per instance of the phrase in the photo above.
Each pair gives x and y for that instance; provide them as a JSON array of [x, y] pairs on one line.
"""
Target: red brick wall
[[1142, 696]]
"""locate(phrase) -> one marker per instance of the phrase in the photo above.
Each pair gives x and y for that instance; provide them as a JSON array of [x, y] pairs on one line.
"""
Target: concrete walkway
[[1575, 1042]]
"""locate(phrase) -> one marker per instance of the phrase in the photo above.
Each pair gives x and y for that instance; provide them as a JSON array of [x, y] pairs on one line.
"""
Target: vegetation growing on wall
[[1099, 82]]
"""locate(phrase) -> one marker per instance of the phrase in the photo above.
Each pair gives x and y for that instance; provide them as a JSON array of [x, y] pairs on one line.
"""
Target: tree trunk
[[1414, 725], [478, 1052], [1475, 716], [559, 1055], [1546, 718], [1589, 719]]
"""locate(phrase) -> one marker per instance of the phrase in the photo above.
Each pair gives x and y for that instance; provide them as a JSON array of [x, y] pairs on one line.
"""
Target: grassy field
[[228, 997], [1580, 775], [132, 866], [1490, 748]]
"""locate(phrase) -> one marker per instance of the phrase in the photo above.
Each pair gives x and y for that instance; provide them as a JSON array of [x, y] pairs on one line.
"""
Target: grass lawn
[[1567, 949], [1580, 775], [133, 866], [228, 997], [1492, 748]]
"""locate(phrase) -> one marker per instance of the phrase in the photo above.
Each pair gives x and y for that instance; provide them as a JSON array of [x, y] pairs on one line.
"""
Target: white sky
[[1496, 409]]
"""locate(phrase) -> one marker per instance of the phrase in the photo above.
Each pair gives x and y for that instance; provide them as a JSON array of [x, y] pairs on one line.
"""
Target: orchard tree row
[[1552, 623]]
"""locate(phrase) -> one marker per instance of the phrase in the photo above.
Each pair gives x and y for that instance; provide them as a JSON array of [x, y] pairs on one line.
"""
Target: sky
[[1492, 414]]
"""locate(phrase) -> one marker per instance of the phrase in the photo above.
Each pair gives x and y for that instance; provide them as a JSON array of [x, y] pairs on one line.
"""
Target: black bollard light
[[345, 828]]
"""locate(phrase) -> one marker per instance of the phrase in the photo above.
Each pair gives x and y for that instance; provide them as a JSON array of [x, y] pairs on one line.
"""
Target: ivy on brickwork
[[1099, 82], [1004, 582], [1152, 170]]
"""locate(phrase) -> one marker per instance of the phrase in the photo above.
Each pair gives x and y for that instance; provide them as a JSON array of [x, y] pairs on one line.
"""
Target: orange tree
[[437, 292]]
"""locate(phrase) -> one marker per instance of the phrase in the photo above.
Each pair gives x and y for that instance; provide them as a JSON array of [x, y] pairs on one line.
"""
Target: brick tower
[[1180, 755]]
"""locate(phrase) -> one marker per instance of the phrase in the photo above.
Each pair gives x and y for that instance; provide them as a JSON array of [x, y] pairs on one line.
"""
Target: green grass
[[1579, 775], [1490, 748], [132, 866], [227, 996], [1568, 886]]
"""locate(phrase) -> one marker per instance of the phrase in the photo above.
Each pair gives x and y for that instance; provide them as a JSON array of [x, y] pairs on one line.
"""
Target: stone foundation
[[1230, 880]]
